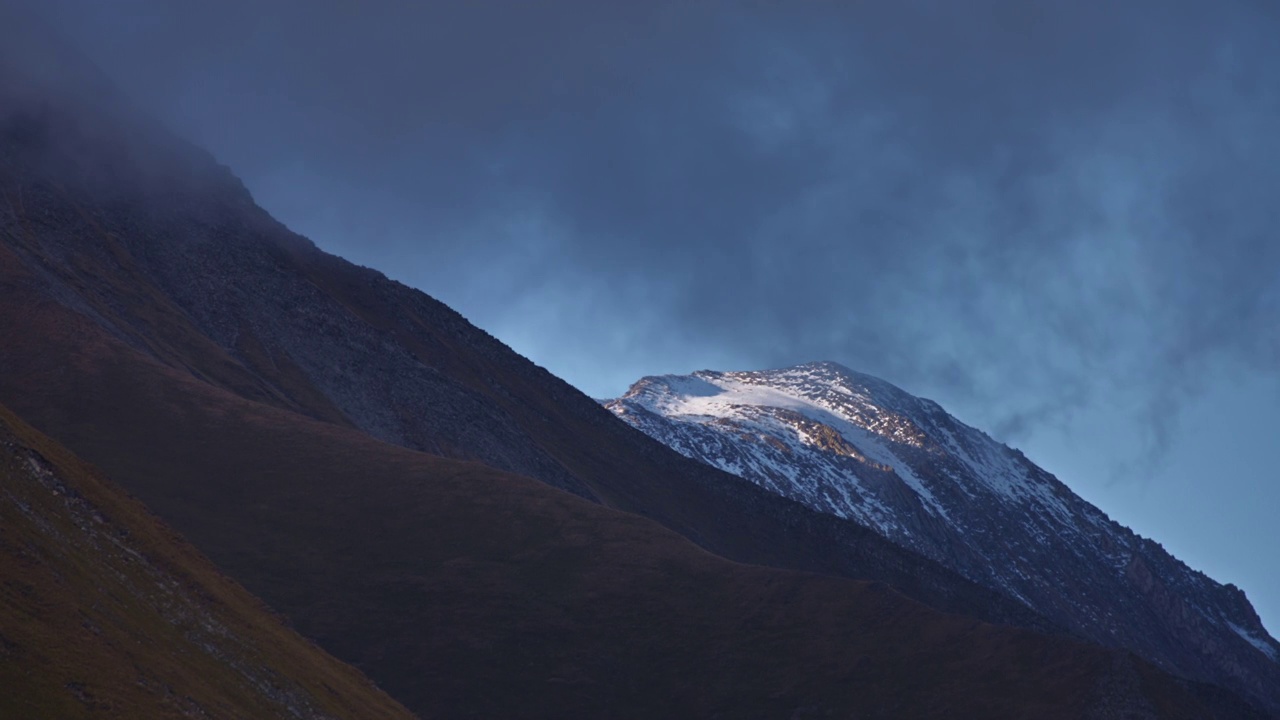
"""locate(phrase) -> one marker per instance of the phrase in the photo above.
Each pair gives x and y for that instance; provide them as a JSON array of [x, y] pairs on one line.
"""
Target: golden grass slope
[[107, 613]]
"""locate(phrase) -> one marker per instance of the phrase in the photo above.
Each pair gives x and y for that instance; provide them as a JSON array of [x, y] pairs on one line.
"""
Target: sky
[[1059, 220]]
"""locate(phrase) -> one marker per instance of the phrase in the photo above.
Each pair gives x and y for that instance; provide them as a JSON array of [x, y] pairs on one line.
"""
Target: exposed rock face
[[859, 448]]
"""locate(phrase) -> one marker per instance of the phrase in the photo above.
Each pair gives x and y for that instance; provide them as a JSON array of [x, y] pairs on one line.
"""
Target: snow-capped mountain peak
[[827, 412], [862, 449]]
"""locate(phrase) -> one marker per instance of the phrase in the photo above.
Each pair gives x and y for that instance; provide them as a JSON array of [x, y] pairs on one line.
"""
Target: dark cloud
[[1016, 206]]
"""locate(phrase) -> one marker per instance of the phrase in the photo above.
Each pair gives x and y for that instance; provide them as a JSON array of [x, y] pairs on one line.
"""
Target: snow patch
[[1263, 646]]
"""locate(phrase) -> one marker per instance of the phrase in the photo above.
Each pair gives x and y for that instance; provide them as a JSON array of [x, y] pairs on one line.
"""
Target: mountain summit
[[859, 448]]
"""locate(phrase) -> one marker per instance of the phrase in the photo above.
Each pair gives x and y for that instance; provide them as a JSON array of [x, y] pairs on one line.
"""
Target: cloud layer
[[1013, 205]]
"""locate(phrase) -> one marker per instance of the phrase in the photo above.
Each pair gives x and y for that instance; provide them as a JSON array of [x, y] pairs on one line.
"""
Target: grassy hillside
[[106, 613]]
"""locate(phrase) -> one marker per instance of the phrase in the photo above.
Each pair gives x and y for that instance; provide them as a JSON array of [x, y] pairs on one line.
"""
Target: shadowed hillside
[[467, 591]]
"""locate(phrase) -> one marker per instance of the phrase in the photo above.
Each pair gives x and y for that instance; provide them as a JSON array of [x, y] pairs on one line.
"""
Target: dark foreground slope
[[104, 613]]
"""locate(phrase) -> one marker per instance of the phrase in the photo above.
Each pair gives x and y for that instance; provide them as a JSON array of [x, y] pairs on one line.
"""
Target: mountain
[[858, 448], [140, 240], [104, 612], [474, 534], [464, 590]]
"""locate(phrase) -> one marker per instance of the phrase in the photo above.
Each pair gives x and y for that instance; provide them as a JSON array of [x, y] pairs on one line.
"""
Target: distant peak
[[825, 365], [812, 380]]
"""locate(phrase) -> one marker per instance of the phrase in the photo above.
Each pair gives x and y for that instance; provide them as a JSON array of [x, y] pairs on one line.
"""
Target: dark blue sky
[[1057, 219]]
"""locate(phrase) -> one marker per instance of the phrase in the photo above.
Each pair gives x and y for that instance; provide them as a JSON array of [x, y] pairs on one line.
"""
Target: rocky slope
[[104, 613], [859, 448]]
